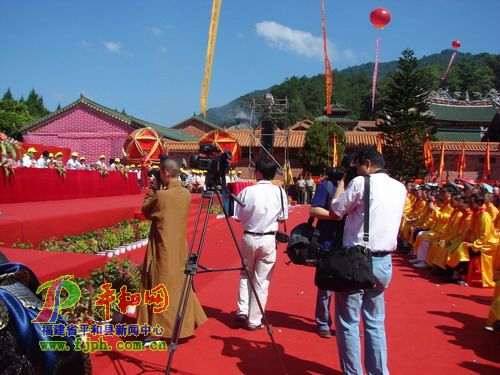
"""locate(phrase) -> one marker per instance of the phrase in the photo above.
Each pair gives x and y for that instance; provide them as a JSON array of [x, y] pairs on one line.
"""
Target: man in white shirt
[[43, 160], [73, 163], [387, 200], [259, 218], [101, 163], [28, 160]]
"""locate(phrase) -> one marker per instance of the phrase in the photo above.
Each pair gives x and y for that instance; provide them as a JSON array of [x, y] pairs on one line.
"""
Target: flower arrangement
[[61, 171]]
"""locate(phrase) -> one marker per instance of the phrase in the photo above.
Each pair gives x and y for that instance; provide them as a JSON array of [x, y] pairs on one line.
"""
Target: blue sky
[[148, 56]]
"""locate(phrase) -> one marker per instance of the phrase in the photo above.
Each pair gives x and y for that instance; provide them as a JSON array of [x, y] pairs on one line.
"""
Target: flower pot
[[128, 247], [117, 251], [101, 253], [110, 253], [145, 242], [134, 245]]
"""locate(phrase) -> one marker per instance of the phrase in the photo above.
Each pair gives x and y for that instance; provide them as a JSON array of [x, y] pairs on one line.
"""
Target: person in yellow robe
[[484, 241], [416, 210], [457, 232], [493, 321], [490, 207], [441, 216], [165, 259]]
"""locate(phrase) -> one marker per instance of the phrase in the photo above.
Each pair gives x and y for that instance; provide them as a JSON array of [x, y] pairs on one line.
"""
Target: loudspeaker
[[267, 135]]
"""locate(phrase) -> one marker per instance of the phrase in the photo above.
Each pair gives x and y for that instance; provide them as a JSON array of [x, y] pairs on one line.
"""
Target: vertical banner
[[461, 162], [379, 143], [441, 161], [328, 69], [487, 165], [212, 36], [375, 72], [335, 157], [428, 158], [453, 55]]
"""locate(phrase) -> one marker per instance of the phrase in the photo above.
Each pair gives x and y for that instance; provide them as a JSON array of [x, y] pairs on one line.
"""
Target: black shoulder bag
[[280, 236], [349, 268]]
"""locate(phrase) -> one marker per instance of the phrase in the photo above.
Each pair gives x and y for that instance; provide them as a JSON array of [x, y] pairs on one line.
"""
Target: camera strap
[[282, 207]]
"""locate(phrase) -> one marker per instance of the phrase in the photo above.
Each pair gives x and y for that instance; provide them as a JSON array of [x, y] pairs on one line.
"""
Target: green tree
[[316, 154], [493, 62], [35, 105], [8, 95], [405, 122], [13, 116]]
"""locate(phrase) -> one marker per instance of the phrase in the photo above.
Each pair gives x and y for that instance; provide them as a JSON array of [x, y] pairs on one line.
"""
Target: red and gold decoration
[[379, 18], [143, 145], [379, 143], [212, 36], [328, 69], [461, 162], [456, 44], [441, 161], [224, 142], [335, 157], [487, 163], [428, 158]]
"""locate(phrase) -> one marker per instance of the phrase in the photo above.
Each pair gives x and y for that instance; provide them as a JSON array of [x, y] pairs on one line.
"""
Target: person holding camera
[[165, 259], [330, 233], [264, 205], [387, 200]]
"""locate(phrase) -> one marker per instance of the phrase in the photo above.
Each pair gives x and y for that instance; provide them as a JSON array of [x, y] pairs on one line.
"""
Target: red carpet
[[431, 328]]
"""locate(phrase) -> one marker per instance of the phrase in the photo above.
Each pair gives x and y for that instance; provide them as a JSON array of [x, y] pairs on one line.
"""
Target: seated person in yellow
[[441, 216], [416, 210], [483, 241], [426, 219], [456, 233]]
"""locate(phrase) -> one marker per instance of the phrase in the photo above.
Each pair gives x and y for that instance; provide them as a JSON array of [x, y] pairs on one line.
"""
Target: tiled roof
[[462, 113], [458, 136], [296, 139], [127, 119], [200, 119], [337, 119]]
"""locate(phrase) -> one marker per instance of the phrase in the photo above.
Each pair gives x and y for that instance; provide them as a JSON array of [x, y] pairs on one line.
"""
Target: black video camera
[[214, 162]]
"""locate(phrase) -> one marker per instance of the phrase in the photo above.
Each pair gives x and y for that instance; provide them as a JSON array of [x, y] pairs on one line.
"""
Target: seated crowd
[[446, 228]]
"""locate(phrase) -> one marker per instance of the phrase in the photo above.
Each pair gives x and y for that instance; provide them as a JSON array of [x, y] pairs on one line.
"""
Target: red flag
[[328, 69], [335, 161], [428, 158], [379, 143], [441, 161], [487, 165], [461, 162]]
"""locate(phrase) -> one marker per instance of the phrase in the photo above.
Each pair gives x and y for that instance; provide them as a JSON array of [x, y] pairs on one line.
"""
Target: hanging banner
[[335, 158], [212, 36], [487, 165], [375, 72], [441, 161], [328, 69], [454, 54], [428, 158], [379, 143]]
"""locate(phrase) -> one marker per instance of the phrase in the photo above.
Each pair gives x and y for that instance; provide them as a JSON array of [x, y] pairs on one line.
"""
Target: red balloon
[[380, 17], [456, 44]]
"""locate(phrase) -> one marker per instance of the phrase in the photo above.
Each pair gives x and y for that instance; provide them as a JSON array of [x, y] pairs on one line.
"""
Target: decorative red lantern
[[224, 142], [380, 17], [143, 145], [456, 44]]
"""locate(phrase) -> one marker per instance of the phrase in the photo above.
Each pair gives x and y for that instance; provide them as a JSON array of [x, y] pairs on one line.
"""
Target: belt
[[381, 253], [260, 234]]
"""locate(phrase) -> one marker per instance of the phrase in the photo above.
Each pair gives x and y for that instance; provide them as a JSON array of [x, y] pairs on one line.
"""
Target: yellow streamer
[[212, 36]]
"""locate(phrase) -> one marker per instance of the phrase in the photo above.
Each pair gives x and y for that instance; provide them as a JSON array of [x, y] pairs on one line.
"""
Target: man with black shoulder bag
[[374, 237]]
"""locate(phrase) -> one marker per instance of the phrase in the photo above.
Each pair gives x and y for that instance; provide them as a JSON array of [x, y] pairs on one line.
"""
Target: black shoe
[[241, 318], [324, 333]]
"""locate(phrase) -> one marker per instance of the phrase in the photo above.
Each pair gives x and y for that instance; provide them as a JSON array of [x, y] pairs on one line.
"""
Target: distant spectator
[[83, 164], [43, 160], [310, 187], [116, 165], [101, 163], [57, 162], [29, 160], [73, 163]]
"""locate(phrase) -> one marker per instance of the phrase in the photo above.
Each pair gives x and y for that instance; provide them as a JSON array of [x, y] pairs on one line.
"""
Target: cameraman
[[387, 200], [330, 233]]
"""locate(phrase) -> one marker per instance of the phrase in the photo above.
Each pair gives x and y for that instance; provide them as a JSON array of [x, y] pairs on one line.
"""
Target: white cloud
[[300, 42], [162, 49], [156, 30], [113, 47]]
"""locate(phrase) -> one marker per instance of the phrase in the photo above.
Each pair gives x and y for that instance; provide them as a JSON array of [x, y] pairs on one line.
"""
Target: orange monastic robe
[[456, 232]]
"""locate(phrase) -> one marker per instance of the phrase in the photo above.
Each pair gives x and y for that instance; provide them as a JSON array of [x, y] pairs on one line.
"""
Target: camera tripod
[[192, 266]]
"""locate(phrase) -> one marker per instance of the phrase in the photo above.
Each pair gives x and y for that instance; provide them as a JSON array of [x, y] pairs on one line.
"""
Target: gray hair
[[170, 166]]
